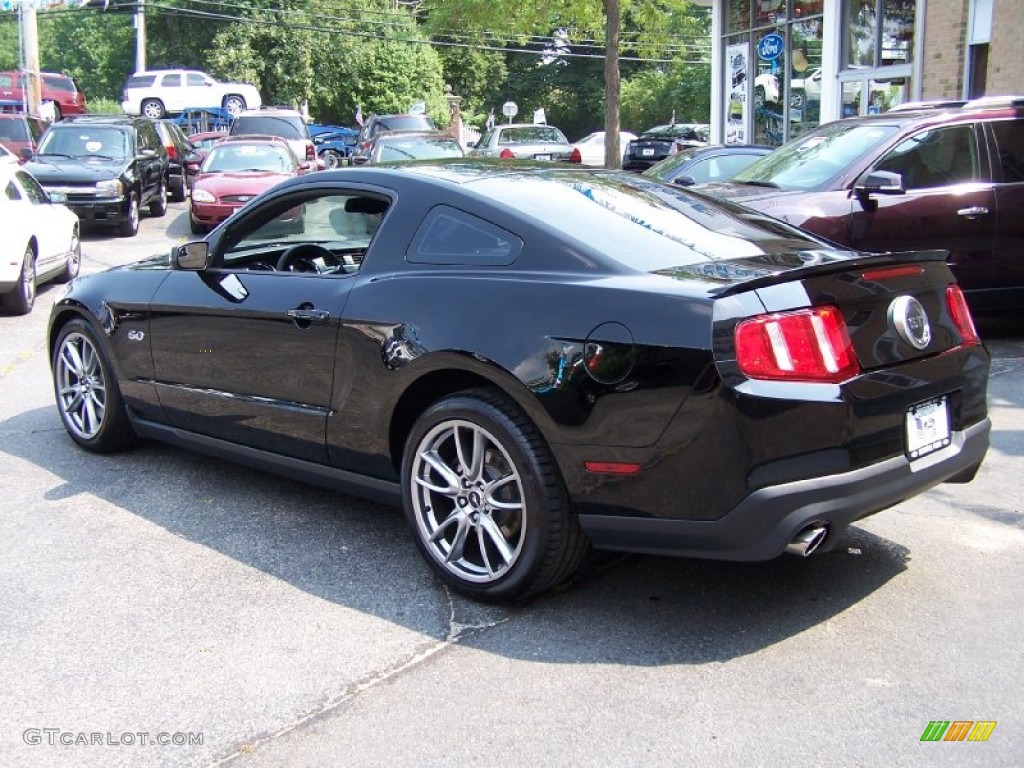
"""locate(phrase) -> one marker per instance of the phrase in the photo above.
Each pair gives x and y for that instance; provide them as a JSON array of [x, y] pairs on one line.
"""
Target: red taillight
[[611, 467], [576, 156], [806, 345], [172, 152], [961, 315], [310, 153], [507, 154], [888, 273]]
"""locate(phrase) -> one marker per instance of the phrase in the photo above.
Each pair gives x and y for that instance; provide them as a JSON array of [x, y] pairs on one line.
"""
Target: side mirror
[[26, 153], [147, 153], [880, 183], [194, 256], [684, 181]]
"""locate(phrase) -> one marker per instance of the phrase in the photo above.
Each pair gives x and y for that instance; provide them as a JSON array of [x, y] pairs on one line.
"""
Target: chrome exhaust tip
[[808, 540]]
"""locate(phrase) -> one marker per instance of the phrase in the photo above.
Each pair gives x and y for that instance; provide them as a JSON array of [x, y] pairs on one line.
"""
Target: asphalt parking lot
[[161, 608]]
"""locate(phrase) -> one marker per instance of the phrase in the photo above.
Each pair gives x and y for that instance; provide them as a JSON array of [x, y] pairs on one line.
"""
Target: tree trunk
[[612, 32]]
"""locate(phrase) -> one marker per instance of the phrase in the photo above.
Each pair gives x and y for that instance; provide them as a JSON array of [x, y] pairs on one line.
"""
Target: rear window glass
[[531, 134], [270, 125], [398, 150], [643, 224], [60, 83], [403, 123]]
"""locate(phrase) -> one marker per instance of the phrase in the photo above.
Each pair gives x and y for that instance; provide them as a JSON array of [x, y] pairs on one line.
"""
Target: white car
[[590, 149], [40, 239], [155, 93]]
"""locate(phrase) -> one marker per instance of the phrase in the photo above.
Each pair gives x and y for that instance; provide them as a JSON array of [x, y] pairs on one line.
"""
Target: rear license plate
[[927, 427], [646, 152], [542, 157]]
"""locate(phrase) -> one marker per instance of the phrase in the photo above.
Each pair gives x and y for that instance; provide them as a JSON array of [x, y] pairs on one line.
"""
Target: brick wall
[[1006, 50], [945, 35]]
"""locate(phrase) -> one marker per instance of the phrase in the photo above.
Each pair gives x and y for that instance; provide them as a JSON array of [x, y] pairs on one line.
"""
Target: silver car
[[527, 141]]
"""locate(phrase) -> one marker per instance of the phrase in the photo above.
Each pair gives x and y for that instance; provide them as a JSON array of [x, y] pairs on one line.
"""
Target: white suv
[[155, 93]]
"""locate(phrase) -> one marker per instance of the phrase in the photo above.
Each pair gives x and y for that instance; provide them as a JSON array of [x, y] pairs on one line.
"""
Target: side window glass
[[451, 236], [195, 79], [171, 81], [935, 158], [1009, 150], [12, 192], [327, 234]]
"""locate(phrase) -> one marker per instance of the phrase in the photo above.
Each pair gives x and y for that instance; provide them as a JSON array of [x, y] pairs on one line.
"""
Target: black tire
[[158, 205], [22, 297], [197, 227], [88, 397], [176, 189], [502, 527], [130, 226], [74, 260], [153, 109]]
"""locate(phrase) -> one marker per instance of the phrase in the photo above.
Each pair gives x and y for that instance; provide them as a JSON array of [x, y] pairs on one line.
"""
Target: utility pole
[[140, 36], [30, 53]]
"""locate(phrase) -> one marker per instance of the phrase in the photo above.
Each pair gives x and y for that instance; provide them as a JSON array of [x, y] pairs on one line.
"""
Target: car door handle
[[309, 315], [973, 212]]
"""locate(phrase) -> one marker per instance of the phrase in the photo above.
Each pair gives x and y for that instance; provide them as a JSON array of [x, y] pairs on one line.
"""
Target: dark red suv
[[62, 90], [945, 178]]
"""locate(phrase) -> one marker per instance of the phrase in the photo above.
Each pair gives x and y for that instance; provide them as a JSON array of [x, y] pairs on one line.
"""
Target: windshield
[[531, 134], [234, 158], [85, 141], [14, 130], [812, 161]]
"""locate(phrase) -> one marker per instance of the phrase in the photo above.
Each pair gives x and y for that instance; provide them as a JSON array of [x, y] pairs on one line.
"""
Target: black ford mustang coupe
[[534, 361]]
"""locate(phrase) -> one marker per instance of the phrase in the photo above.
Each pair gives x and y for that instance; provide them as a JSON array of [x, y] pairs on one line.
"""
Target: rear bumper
[[760, 526]]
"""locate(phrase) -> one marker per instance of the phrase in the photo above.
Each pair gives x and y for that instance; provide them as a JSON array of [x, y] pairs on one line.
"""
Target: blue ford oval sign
[[769, 47]]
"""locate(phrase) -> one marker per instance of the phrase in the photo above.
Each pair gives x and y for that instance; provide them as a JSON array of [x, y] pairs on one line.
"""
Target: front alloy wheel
[[88, 398], [485, 500]]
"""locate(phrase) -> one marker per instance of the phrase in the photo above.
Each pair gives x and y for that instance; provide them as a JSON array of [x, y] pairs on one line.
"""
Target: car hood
[[219, 184], [73, 170], [744, 194]]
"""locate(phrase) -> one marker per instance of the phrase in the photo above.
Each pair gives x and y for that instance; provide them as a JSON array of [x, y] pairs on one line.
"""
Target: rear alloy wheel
[[130, 226], [331, 158], [234, 104], [486, 501], [158, 205], [23, 297], [88, 397], [153, 109], [74, 260]]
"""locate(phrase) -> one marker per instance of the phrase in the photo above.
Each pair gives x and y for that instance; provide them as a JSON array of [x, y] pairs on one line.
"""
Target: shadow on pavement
[[630, 610]]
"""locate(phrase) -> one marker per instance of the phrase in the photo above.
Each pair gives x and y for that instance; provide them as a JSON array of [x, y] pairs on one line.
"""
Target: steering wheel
[[301, 258]]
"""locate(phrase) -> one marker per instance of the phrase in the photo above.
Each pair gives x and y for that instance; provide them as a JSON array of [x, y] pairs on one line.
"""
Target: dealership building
[[781, 67]]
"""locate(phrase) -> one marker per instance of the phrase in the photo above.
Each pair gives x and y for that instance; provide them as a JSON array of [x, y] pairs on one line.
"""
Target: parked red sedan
[[236, 171]]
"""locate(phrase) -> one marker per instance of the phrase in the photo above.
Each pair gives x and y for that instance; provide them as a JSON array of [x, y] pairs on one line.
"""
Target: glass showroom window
[[878, 53]]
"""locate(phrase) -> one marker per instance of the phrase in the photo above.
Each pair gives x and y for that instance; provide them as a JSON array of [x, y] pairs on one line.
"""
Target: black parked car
[[182, 159], [537, 359], [659, 142], [107, 166]]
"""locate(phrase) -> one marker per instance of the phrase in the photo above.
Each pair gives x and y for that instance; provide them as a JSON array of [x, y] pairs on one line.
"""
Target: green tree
[[656, 23]]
